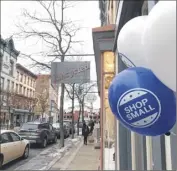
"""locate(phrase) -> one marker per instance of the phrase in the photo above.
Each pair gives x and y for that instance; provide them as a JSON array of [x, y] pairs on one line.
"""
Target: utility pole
[[73, 89]]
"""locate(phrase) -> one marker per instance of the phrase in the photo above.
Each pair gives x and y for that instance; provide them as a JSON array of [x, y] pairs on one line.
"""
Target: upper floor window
[[20, 89], [2, 83], [11, 71], [12, 86], [8, 85], [1, 57], [21, 78], [24, 79], [18, 75], [17, 88]]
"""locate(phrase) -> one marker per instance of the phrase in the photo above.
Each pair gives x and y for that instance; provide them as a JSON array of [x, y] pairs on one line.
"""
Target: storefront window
[[109, 61], [108, 117]]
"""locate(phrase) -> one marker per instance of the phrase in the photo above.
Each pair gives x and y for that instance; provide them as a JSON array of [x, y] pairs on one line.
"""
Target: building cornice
[[22, 68]]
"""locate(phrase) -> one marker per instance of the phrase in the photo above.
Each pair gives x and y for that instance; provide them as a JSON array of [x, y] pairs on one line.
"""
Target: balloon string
[[173, 133]]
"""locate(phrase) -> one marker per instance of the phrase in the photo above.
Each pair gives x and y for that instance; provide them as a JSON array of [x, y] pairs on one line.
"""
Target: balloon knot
[[168, 134]]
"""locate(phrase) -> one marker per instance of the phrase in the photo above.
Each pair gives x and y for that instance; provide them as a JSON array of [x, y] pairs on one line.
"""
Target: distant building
[[17, 87], [8, 59], [87, 116], [24, 99], [47, 95]]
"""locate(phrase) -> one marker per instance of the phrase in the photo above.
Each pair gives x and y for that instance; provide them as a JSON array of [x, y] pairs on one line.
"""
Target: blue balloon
[[141, 102]]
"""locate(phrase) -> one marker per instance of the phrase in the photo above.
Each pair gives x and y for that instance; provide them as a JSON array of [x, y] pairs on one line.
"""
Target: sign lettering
[[139, 108]]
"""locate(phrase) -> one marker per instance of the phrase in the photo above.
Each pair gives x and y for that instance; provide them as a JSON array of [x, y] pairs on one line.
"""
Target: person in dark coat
[[85, 132], [91, 126]]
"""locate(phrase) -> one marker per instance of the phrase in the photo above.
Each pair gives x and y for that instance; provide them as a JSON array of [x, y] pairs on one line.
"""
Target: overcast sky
[[86, 12]]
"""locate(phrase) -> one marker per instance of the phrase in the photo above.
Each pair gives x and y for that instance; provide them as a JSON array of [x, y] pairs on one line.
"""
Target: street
[[34, 151]]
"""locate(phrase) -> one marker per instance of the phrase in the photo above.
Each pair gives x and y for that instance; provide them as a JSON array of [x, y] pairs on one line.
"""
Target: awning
[[21, 111], [103, 40]]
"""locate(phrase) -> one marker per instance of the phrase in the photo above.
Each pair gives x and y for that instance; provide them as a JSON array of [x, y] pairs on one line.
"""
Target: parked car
[[69, 124], [12, 147], [38, 133], [57, 127]]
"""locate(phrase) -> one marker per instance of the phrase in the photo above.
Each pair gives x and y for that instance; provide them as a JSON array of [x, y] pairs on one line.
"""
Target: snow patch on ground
[[45, 159]]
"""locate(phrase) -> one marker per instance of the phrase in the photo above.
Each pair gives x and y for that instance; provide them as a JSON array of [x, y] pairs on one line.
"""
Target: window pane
[[5, 138], [27, 126], [2, 83], [108, 80], [11, 67], [15, 137], [109, 61]]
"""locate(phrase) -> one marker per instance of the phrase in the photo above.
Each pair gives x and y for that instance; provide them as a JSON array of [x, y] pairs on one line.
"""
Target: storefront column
[[125, 159]]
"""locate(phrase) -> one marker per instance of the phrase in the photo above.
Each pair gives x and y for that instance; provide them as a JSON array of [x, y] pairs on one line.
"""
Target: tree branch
[[68, 92]]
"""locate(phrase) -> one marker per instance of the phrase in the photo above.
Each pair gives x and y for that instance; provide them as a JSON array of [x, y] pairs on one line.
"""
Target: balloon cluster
[[143, 96]]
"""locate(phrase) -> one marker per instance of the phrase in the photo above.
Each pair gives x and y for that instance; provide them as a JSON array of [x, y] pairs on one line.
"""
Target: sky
[[86, 13]]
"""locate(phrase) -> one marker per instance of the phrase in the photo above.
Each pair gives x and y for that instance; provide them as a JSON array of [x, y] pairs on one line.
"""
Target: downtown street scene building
[[58, 64], [132, 151]]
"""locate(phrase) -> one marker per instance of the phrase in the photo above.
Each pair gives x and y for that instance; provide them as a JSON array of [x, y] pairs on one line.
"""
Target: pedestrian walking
[[92, 127], [85, 132]]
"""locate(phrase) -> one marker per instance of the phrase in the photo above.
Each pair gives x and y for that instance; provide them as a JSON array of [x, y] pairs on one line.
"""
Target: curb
[[53, 161], [71, 158], [57, 159]]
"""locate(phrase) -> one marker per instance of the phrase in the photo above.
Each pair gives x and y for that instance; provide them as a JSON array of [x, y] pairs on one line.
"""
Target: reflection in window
[[108, 80], [144, 9], [109, 61]]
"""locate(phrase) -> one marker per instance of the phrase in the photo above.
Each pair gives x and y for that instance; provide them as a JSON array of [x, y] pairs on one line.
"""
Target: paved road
[[34, 151]]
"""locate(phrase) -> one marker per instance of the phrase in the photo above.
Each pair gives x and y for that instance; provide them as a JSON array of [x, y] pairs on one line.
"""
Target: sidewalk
[[82, 158]]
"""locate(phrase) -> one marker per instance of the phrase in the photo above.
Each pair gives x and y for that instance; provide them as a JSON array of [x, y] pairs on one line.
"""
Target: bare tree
[[81, 90], [71, 92], [11, 99], [56, 31], [43, 102]]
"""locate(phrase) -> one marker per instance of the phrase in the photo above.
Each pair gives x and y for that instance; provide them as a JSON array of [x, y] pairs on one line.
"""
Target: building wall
[[25, 83], [43, 86], [16, 104], [137, 152], [112, 6], [8, 71], [8, 59], [68, 116]]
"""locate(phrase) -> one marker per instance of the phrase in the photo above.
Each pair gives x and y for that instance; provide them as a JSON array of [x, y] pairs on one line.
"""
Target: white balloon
[[129, 42], [159, 42]]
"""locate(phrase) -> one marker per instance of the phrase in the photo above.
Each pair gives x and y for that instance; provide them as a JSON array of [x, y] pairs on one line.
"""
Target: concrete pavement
[[84, 157]]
